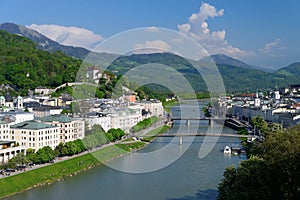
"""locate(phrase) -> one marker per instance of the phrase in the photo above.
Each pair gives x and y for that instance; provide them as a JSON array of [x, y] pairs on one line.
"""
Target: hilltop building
[[11, 103]]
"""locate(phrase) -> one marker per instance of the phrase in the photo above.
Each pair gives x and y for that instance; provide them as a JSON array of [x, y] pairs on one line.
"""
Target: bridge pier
[[187, 122], [180, 140], [211, 122]]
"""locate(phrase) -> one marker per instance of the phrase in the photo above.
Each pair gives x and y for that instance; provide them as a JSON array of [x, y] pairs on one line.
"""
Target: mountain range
[[237, 75]]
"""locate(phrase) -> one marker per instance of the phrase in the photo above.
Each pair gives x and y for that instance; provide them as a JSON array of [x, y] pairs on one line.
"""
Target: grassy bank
[[146, 123], [169, 104], [58, 171], [156, 131]]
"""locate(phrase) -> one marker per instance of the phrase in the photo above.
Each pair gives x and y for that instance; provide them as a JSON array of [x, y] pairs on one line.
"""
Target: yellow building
[[35, 135]]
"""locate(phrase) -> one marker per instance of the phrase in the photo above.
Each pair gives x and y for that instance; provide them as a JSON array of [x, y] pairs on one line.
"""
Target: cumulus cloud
[[152, 46], [72, 36], [214, 42]]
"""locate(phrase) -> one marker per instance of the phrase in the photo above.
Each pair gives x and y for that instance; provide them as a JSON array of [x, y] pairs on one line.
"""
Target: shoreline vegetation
[[59, 171], [169, 104]]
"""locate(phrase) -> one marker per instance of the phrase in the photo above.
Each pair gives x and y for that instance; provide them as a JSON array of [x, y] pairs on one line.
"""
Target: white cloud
[[152, 46], [214, 42], [269, 47], [72, 36]]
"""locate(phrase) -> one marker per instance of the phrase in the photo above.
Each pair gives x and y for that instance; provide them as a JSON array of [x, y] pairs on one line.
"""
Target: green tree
[[249, 181], [59, 149], [272, 172], [69, 149], [20, 159], [80, 147], [260, 124], [45, 154]]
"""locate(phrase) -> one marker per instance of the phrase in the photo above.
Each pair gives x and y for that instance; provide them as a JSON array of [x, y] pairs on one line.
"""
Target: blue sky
[[259, 32]]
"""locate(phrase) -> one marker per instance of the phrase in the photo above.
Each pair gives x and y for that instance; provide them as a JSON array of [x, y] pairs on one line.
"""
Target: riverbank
[[59, 171], [169, 104]]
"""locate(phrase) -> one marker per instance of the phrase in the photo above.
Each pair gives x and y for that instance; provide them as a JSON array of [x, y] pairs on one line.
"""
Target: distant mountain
[[291, 70], [222, 59], [237, 76], [47, 44]]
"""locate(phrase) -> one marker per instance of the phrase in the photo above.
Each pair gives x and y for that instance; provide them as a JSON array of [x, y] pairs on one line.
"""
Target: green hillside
[[291, 70], [235, 78], [25, 67]]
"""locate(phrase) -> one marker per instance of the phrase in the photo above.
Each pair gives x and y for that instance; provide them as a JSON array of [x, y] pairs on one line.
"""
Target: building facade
[[8, 149], [155, 107], [35, 135], [4, 131], [70, 129]]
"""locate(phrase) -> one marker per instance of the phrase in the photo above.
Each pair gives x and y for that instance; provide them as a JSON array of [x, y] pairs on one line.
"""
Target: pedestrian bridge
[[194, 135], [209, 119]]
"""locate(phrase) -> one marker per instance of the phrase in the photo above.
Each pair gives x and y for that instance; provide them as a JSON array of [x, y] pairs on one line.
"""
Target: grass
[[169, 104], [146, 123], [156, 131], [55, 172]]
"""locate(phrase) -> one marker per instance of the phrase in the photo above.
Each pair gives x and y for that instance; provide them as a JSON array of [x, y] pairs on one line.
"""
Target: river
[[189, 177]]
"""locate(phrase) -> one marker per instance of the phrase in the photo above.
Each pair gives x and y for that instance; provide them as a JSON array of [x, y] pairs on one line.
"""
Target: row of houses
[[37, 133], [275, 107]]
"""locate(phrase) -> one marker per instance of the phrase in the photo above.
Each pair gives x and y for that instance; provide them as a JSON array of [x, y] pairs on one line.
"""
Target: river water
[[189, 177]]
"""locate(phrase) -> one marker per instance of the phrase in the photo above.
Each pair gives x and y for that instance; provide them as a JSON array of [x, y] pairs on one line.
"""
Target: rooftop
[[6, 142], [32, 125], [2, 122], [46, 108], [59, 118]]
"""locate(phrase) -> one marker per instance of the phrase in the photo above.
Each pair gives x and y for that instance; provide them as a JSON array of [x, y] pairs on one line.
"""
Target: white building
[[43, 91], [35, 135], [95, 118], [155, 107], [4, 131], [17, 116], [70, 129], [12, 103], [125, 118], [46, 111], [8, 149]]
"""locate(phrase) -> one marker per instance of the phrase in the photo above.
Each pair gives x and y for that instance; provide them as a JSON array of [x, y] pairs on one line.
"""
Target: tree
[[45, 154], [259, 123], [30, 151], [249, 181], [59, 149], [272, 172], [33, 158], [80, 147], [20, 159], [69, 149]]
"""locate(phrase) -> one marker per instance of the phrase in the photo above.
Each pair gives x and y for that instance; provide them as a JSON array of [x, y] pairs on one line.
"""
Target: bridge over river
[[181, 135], [194, 135], [209, 119]]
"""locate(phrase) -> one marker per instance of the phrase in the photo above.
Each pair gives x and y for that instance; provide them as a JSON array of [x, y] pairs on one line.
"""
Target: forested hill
[[236, 78], [24, 66]]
